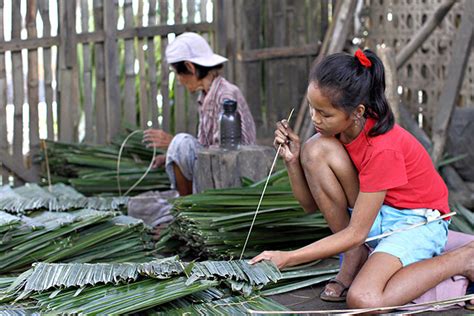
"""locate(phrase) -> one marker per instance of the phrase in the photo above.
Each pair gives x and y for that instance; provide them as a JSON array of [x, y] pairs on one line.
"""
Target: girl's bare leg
[[334, 185], [383, 281]]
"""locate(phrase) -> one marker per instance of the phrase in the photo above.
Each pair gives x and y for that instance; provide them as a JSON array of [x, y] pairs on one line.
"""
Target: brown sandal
[[332, 298]]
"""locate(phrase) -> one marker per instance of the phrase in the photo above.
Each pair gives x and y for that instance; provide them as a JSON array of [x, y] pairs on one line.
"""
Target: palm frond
[[234, 305], [78, 236], [32, 197]]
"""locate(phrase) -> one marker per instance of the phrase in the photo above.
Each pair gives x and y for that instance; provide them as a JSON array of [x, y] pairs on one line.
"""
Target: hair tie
[[359, 54]]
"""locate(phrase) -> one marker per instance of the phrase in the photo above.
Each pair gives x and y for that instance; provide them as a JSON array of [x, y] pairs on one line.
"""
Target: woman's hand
[[159, 161], [279, 258], [289, 141], [157, 138]]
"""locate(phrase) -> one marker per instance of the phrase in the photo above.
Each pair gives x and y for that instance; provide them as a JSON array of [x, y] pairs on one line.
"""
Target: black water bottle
[[230, 126]]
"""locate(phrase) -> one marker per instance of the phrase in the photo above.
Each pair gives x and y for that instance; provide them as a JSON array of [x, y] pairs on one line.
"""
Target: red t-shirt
[[398, 163]]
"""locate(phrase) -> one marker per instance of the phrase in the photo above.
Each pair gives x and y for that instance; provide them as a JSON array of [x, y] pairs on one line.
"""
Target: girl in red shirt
[[361, 161]]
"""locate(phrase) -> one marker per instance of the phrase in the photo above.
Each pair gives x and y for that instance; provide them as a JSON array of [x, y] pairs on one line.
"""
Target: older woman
[[197, 68]]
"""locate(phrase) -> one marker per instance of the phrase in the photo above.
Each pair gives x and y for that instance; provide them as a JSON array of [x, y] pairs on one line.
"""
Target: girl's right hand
[[289, 141]]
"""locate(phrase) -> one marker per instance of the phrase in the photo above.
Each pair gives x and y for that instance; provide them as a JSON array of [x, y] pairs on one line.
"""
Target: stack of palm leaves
[[92, 169], [78, 236], [215, 223], [126, 288], [58, 197]]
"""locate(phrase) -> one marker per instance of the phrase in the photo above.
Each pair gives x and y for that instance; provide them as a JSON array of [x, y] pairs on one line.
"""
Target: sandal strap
[[338, 282]]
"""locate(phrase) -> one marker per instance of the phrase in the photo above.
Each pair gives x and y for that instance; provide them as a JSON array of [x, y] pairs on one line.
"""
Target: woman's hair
[[201, 71], [347, 83]]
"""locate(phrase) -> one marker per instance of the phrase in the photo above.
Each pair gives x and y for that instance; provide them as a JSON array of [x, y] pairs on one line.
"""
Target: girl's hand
[[157, 138], [279, 258], [289, 140]]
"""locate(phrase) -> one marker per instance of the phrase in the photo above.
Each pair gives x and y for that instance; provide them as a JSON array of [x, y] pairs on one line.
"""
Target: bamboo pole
[[387, 55], [179, 90], [129, 104], [143, 80], [3, 102], [43, 6], [33, 97], [18, 92], [152, 66], [112, 92], [99, 101], [89, 136], [164, 88]]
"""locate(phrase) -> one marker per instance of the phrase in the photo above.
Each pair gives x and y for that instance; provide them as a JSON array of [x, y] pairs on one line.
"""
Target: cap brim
[[209, 61]]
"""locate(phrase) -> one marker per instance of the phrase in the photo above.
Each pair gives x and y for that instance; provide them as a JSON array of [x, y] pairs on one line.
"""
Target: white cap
[[194, 48]]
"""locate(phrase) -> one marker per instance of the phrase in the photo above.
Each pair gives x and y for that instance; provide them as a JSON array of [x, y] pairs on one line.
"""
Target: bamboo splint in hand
[[263, 192]]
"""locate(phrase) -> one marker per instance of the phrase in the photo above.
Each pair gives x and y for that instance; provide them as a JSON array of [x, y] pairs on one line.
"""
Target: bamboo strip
[[164, 88], [179, 91], [18, 93], [3, 102], [129, 104], [99, 102], [87, 77], [43, 6], [152, 66], [143, 81], [33, 97]]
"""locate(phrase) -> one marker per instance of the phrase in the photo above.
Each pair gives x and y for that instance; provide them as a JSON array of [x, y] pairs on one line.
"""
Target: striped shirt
[[210, 107]]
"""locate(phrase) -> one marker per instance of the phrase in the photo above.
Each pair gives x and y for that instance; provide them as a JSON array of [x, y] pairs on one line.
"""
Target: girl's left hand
[[279, 258]]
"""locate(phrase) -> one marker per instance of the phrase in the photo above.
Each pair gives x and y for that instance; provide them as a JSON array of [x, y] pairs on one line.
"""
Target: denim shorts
[[411, 245]]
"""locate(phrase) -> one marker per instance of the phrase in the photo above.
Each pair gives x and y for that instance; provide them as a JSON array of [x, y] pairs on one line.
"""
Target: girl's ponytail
[[378, 107]]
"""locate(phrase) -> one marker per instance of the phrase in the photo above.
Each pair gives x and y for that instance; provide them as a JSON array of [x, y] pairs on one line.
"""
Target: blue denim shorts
[[411, 245]]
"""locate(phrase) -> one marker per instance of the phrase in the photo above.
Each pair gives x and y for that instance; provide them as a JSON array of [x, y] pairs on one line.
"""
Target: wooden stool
[[217, 169]]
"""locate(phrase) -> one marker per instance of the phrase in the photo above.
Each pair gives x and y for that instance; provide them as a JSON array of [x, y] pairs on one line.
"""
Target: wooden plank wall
[[95, 77], [271, 46]]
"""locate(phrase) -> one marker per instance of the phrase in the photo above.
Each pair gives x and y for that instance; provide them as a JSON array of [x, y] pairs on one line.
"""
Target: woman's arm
[[365, 211], [290, 152]]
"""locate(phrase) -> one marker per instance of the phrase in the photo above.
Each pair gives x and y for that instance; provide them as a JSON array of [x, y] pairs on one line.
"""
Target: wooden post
[[100, 103], [18, 91], [218, 169], [112, 92], [43, 6], [387, 55], [129, 96], [3, 102], [67, 63], [456, 70]]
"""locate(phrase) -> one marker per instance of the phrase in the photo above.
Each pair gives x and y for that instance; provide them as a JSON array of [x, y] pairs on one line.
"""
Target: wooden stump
[[218, 169]]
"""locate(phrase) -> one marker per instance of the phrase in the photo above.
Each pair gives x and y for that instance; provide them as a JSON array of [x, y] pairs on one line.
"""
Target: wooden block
[[218, 169]]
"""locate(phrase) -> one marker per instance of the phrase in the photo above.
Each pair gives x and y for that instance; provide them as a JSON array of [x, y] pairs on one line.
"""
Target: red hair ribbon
[[359, 54]]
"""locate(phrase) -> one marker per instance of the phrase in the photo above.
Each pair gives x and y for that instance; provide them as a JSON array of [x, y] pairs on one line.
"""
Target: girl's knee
[[363, 298], [321, 149]]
